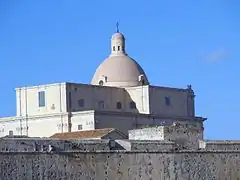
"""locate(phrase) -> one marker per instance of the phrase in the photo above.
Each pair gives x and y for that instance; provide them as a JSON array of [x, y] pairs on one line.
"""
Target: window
[[114, 48], [80, 127], [81, 102], [100, 83], [167, 101], [101, 104], [75, 89], [41, 98], [70, 99], [132, 105], [10, 133], [118, 48], [119, 105]]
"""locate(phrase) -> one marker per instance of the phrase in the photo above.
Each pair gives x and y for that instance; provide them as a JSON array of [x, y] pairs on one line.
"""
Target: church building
[[119, 96]]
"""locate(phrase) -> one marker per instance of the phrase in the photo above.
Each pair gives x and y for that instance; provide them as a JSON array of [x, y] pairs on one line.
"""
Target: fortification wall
[[220, 145], [185, 134], [147, 145], [42, 145], [116, 165]]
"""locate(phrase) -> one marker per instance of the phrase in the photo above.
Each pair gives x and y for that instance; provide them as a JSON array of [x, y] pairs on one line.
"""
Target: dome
[[118, 35], [119, 69]]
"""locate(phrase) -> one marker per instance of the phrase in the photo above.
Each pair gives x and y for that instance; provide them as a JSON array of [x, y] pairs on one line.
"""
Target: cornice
[[46, 116], [153, 116]]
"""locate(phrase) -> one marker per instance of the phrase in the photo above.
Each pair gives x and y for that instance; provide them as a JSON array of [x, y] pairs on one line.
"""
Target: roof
[[119, 70], [97, 133], [15, 136]]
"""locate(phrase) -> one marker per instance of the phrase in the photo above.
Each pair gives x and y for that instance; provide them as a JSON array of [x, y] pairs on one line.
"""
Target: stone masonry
[[174, 152], [116, 165], [110, 160]]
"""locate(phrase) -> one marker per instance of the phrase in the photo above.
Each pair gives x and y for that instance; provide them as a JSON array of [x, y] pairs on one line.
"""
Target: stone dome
[[119, 69]]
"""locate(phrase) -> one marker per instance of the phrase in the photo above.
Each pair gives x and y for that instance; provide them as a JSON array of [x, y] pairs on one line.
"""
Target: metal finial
[[117, 25]]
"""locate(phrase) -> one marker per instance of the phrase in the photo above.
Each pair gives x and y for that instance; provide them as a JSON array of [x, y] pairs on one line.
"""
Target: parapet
[[219, 145], [52, 145], [146, 145]]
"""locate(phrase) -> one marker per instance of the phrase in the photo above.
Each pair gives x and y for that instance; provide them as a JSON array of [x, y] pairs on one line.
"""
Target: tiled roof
[[97, 133]]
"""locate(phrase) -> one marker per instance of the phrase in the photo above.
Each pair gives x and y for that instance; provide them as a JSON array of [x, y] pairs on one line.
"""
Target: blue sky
[[176, 42]]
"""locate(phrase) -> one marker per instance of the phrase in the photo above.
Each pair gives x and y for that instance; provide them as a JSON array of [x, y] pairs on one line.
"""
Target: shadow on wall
[[130, 104], [83, 97]]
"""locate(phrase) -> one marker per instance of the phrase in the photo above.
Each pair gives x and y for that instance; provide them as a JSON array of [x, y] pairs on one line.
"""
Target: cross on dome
[[119, 69], [117, 25], [118, 43]]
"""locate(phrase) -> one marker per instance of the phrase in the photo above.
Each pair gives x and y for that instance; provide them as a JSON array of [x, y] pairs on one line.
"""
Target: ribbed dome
[[119, 69]]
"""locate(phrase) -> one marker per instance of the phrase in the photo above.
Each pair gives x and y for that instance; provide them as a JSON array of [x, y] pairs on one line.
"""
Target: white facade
[[28, 99], [119, 89]]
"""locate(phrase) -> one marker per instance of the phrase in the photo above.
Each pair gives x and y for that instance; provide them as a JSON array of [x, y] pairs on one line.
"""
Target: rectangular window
[[41, 98], [81, 102], [80, 127], [70, 99], [101, 104], [167, 101]]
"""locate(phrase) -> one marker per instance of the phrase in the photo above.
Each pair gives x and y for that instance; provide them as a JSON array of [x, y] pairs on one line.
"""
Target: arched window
[[119, 105], [118, 48], [100, 83], [132, 105], [114, 48]]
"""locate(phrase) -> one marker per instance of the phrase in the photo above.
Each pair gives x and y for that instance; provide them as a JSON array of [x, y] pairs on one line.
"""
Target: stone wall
[[185, 134], [220, 145], [116, 165], [154, 133], [43, 145], [147, 145]]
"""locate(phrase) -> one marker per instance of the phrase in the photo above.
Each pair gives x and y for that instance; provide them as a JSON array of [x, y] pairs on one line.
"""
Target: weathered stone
[[179, 165]]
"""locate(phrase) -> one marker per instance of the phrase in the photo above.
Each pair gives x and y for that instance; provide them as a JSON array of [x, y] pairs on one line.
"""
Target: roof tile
[[97, 133]]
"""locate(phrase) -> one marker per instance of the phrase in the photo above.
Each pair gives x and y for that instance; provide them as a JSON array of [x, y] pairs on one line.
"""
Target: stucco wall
[[109, 95], [27, 99], [121, 165], [38, 126], [140, 95], [180, 104], [128, 121], [85, 119], [35, 126], [93, 94]]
